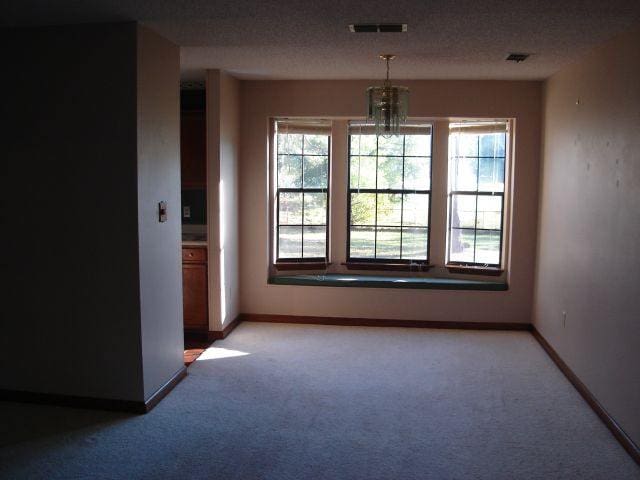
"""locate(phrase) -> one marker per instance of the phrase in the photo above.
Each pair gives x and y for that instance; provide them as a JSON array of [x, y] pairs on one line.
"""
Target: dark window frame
[[402, 192], [477, 193], [302, 190]]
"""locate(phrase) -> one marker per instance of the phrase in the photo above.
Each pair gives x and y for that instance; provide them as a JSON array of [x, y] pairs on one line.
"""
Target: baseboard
[[225, 331], [163, 391], [377, 322], [596, 406], [129, 406]]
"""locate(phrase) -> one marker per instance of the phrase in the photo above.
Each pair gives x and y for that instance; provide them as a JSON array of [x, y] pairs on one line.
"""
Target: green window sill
[[378, 281]]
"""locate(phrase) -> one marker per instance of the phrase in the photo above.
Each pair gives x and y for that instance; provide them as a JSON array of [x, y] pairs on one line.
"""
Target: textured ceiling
[[306, 39]]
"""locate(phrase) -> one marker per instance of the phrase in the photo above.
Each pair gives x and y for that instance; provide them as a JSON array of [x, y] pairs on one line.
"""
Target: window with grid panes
[[477, 155], [389, 195], [302, 189]]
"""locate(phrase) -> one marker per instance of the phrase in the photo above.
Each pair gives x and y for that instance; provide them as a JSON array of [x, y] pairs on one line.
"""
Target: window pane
[[389, 209], [491, 175], [290, 242], [289, 171], [316, 145], [415, 243], [417, 145], [316, 171], [302, 163], [477, 163], [400, 163], [465, 174], [315, 242], [465, 145], [417, 173], [363, 172], [363, 145], [363, 209], [390, 172], [492, 145], [315, 209], [290, 212], [487, 247], [388, 243], [463, 211], [415, 210], [461, 245], [489, 212], [362, 242], [391, 146], [289, 143]]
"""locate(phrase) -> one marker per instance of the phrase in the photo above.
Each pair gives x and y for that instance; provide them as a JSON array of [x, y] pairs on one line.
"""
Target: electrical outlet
[[186, 211], [564, 319]]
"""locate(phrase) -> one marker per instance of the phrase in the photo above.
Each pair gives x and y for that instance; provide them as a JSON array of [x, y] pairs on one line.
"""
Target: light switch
[[162, 212]]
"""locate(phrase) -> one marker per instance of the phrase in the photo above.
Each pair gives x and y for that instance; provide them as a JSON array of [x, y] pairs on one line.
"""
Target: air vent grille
[[517, 57], [378, 27]]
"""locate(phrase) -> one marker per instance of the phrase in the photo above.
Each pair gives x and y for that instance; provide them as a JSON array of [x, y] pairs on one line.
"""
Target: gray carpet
[[277, 401]]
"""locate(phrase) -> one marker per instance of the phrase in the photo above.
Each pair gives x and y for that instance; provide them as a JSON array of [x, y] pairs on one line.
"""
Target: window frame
[[457, 266], [283, 261], [390, 262]]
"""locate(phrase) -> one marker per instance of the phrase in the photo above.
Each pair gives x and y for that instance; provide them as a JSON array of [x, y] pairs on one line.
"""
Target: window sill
[[471, 270], [398, 267], [377, 281], [301, 265]]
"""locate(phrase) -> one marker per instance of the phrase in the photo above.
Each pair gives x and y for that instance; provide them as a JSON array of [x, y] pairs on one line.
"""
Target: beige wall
[[72, 252], [160, 260], [590, 225], [223, 147], [92, 146], [262, 100]]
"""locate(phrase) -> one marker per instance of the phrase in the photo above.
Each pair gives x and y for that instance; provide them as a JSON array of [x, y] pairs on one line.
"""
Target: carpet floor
[[278, 401]]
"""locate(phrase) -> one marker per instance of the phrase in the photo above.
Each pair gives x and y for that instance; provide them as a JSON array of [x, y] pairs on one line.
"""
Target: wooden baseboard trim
[[377, 322], [73, 401], [129, 406], [225, 331], [620, 435], [164, 390]]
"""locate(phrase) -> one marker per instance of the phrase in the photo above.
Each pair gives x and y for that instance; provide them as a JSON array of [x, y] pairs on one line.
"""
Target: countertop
[[194, 243]]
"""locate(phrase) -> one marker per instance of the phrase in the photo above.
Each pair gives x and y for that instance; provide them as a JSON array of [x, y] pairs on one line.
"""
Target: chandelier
[[387, 105]]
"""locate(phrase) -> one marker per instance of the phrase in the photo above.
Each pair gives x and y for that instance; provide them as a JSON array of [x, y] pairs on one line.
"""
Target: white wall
[[223, 146], [71, 318], [93, 301], [160, 260], [589, 234]]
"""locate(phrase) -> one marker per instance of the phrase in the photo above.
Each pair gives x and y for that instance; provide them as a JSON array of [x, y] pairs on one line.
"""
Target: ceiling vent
[[517, 57], [378, 27]]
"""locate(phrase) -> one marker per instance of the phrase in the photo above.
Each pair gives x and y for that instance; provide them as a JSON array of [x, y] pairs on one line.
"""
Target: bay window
[[385, 221]]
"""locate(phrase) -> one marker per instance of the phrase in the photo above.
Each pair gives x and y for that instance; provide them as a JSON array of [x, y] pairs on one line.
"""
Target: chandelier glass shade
[[387, 105]]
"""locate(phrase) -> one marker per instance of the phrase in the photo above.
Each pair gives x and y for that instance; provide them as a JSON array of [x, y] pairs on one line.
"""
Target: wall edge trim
[[377, 322], [93, 403], [164, 390], [620, 435], [221, 334]]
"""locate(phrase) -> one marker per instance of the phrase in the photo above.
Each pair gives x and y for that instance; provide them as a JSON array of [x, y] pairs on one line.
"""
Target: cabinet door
[[193, 149], [194, 296]]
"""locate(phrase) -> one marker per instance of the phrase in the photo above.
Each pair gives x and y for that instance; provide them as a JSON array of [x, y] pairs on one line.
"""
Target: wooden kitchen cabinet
[[194, 289], [193, 149]]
